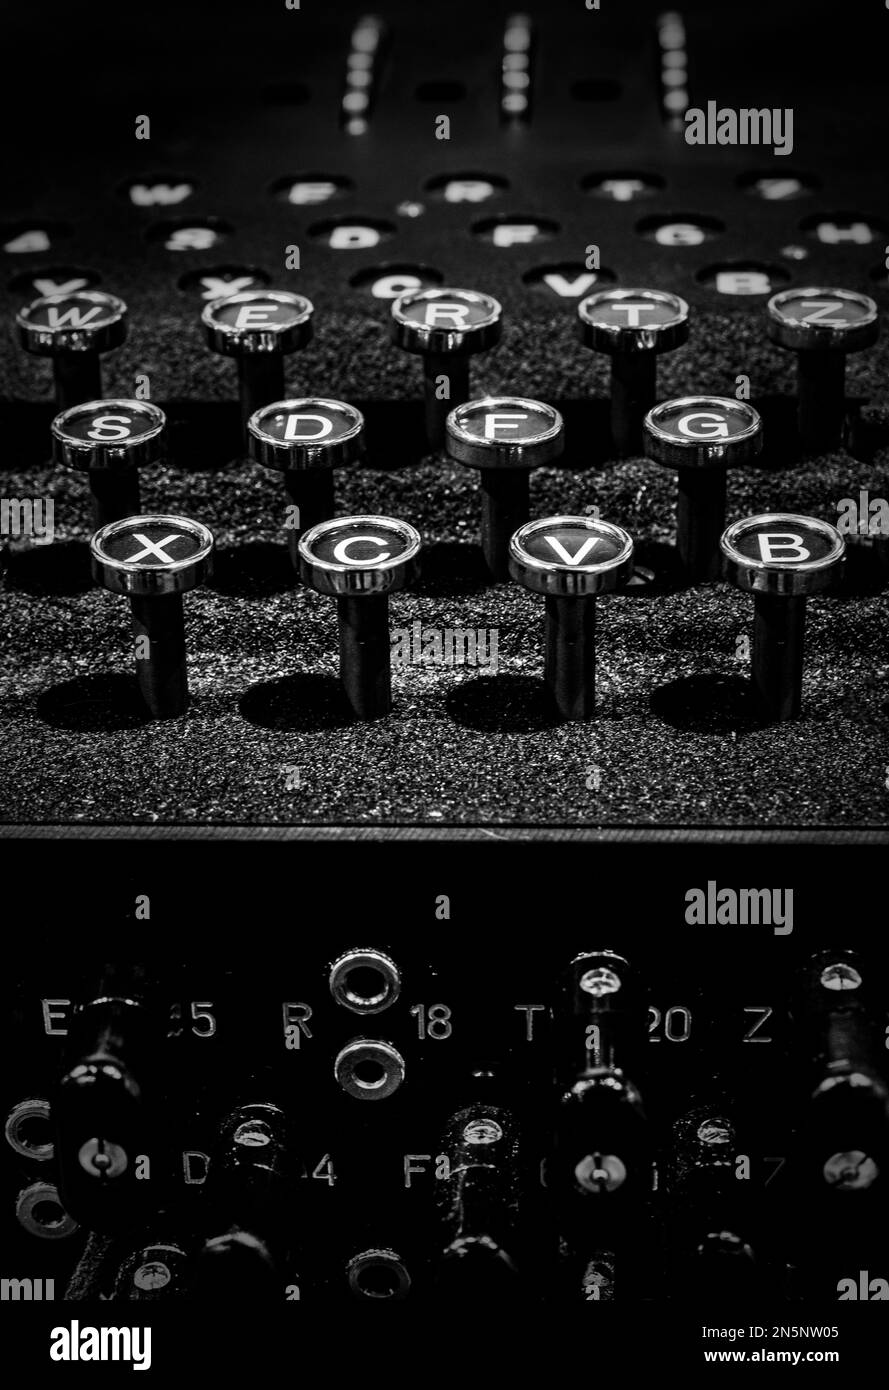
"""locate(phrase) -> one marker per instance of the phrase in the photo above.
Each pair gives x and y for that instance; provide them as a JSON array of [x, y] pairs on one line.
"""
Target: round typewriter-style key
[[110, 440], [632, 326], [504, 437], [446, 326], [701, 437], [154, 560], [361, 560], [780, 558], [305, 440], [73, 329], [258, 328], [570, 559], [821, 326]]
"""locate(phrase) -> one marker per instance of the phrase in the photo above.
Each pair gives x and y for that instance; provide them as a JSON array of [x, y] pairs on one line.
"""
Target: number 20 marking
[[676, 1021]]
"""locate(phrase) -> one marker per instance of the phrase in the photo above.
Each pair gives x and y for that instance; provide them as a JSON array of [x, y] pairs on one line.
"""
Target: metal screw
[[101, 1159], [600, 981], [600, 1173], [482, 1132], [715, 1132], [152, 1275], [840, 976], [850, 1171], [252, 1135]]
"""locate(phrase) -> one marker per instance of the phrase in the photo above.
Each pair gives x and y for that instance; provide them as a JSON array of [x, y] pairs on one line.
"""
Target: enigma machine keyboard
[[447, 417], [428, 431], [620, 1124]]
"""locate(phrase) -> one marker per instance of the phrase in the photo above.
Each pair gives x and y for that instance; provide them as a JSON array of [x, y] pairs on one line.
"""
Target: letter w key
[[75, 316]]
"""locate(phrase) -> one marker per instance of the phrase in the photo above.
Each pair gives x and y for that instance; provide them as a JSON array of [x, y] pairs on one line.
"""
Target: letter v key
[[565, 556]]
